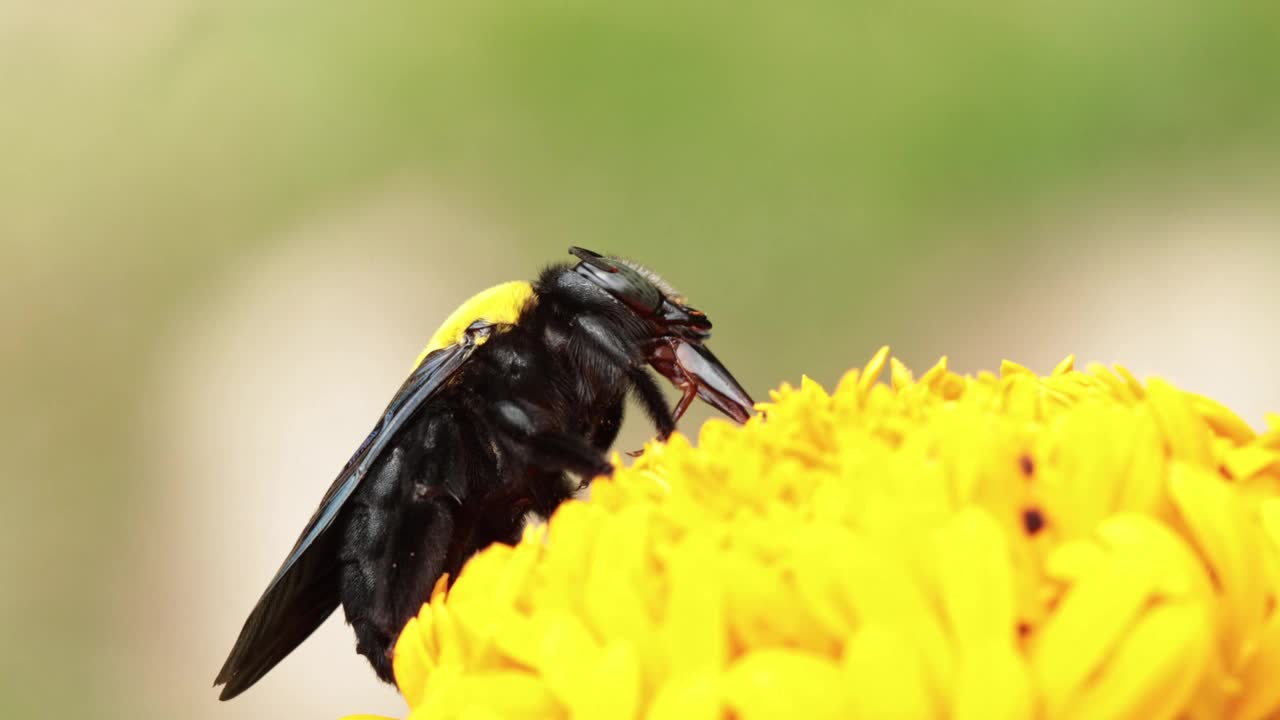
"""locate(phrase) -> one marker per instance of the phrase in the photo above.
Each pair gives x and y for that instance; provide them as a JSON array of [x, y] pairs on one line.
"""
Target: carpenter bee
[[523, 383]]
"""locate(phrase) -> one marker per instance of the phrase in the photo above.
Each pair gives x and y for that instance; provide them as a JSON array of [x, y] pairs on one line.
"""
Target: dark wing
[[304, 591]]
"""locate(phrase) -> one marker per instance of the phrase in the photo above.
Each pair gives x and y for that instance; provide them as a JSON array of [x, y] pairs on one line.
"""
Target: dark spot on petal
[[1024, 629], [1033, 520], [1027, 465]]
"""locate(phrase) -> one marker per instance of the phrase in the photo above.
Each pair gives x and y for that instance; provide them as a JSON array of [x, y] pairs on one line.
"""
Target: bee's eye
[[620, 281], [635, 290]]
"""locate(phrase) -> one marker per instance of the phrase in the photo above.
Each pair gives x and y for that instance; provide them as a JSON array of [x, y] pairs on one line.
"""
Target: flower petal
[[777, 683]]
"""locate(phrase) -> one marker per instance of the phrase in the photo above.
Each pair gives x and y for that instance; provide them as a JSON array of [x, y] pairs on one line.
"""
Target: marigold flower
[[1075, 545]]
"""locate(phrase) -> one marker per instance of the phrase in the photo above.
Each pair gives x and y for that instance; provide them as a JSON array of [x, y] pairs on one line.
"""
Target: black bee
[[523, 383]]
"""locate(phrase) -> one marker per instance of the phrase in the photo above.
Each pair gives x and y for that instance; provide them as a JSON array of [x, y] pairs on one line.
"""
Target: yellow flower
[[1074, 545]]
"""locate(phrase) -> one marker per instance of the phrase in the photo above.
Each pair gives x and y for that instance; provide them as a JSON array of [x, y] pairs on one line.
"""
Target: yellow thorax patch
[[500, 304]]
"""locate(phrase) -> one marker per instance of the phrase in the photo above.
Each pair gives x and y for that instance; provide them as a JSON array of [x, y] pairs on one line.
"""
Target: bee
[[522, 385]]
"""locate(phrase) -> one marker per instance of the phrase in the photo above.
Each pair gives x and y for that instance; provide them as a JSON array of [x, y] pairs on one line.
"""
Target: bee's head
[[647, 295], [676, 347]]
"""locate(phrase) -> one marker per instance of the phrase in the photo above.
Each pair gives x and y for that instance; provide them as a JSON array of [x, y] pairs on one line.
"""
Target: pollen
[[880, 551]]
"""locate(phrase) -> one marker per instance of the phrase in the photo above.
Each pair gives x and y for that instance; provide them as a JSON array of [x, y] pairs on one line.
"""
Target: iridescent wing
[[304, 591]]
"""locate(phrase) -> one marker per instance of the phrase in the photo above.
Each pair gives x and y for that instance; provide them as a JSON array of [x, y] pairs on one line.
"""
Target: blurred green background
[[226, 228]]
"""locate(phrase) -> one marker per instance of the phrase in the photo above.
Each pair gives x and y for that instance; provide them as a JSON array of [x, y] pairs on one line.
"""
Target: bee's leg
[[653, 401], [546, 447], [598, 341], [606, 431]]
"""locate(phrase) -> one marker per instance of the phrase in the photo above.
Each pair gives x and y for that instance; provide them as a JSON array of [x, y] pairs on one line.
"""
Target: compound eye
[[620, 281], [636, 291]]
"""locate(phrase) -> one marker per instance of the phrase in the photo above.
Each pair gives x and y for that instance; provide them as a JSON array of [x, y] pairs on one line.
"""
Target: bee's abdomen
[[399, 533]]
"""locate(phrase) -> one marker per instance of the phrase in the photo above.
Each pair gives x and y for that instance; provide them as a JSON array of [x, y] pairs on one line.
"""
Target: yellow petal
[[1009, 367], [1085, 461], [568, 654], [1220, 525], [477, 713], [1249, 460], [1185, 432], [616, 603], [777, 683], [695, 630], [411, 661], [976, 579], [1261, 694], [1022, 395], [503, 694], [1087, 624], [687, 697], [508, 694], [449, 637], [610, 689], [886, 676], [1066, 365], [871, 373], [882, 592], [993, 682], [1143, 487], [935, 374], [1106, 624], [1221, 419], [519, 638], [440, 697], [1114, 385], [899, 375], [1269, 514], [821, 584], [1154, 670], [1132, 382]]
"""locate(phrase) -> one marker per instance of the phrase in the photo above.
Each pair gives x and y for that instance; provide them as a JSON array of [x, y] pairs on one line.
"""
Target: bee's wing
[[304, 591]]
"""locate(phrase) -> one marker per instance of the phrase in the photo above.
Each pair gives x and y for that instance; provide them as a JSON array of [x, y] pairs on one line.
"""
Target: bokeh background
[[226, 228]]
